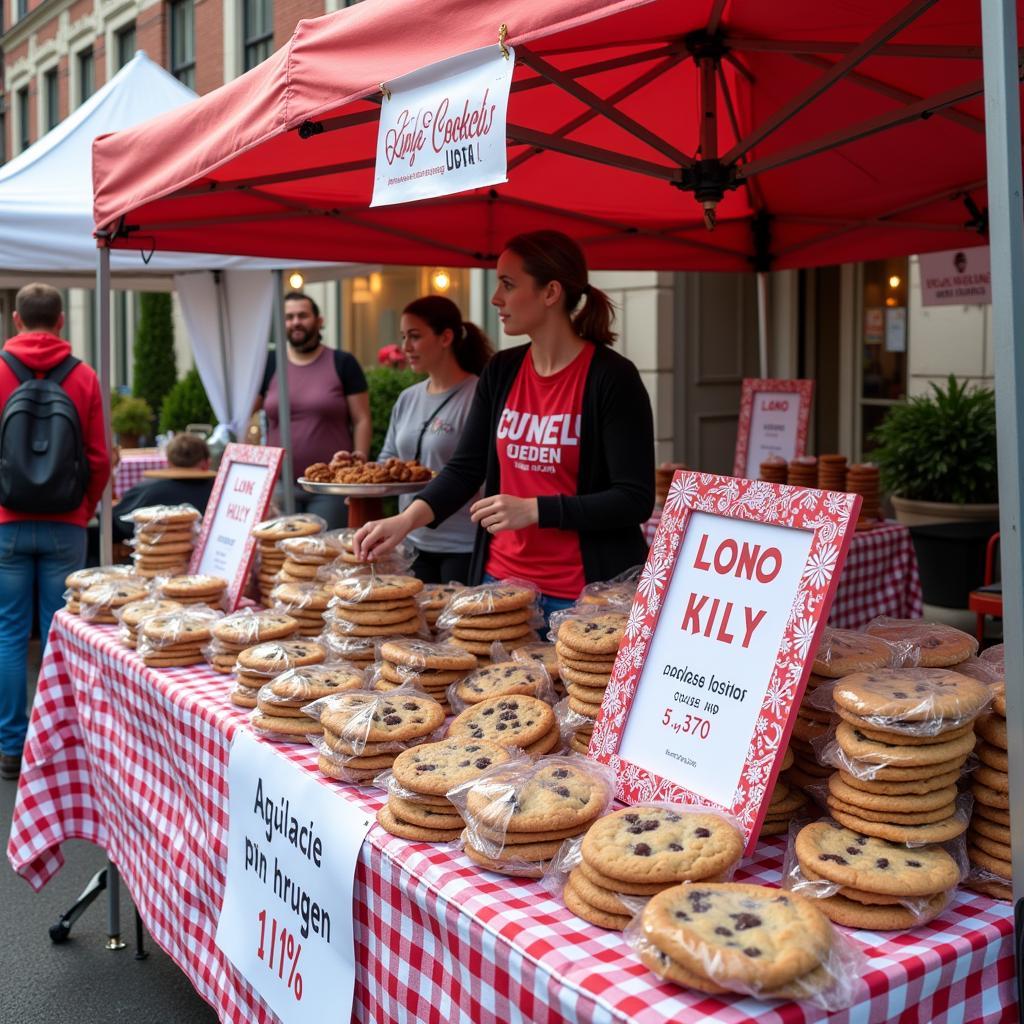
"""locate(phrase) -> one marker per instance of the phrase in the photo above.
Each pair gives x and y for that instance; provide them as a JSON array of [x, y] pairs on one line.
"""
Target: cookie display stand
[[365, 501], [436, 938]]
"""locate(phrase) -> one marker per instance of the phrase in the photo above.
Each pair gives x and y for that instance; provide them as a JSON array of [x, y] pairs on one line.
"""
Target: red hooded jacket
[[41, 351]]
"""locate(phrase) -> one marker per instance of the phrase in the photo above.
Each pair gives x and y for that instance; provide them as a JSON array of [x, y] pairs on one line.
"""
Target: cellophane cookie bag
[[844, 651], [617, 593], [502, 678], [130, 616], [935, 644], [504, 597], [99, 603]]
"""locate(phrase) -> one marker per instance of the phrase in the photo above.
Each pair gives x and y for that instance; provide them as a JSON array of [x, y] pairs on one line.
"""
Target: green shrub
[[186, 403], [385, 384], [131, 416], [154, 365], [941, 447]]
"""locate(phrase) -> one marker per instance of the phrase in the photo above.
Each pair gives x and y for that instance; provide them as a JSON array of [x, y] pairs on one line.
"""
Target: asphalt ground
[[80, 980]]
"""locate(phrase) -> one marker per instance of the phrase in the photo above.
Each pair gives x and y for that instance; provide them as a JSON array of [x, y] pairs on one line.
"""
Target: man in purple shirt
[[330, 403]]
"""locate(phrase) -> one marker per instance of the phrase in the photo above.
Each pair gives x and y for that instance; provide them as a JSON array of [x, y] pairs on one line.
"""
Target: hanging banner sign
[[286, 921], [239, 500], [720, 641], [442, 128], [774, 415], [960, 277]]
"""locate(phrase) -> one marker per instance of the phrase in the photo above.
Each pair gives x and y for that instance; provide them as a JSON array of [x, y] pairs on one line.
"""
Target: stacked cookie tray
[[427, 665], [100, 602], [379, 605], [176, 638], [432, 600], [164, 538], [305, 555], [279, 714], [243, 629], [196, 588], [632, 854], [306, 603], [269, 557], [363, 731], [81, 579], [257, 665], [476, 617], [586, 639], [130, 616], [988, 838]]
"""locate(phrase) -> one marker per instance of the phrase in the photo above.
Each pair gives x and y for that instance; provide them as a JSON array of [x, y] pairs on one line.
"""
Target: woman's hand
[[504, 512], [379, 537]]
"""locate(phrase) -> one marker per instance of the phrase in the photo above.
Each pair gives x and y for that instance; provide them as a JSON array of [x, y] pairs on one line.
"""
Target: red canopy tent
[[816, 134]]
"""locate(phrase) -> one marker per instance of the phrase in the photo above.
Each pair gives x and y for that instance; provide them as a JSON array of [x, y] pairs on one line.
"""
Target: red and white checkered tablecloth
[[135, 760], [132, 465], [879, 577]]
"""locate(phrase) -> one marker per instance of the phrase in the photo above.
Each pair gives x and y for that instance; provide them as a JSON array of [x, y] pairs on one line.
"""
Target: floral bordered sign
[[714, 601], [239, 500], [751, 391]]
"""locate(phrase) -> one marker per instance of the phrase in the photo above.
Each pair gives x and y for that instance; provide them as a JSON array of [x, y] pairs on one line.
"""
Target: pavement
[[80, 980]]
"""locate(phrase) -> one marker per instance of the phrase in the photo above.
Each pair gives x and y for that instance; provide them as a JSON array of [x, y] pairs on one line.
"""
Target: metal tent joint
[[979, 218], [703, 45], [310, 128], [708, 180]]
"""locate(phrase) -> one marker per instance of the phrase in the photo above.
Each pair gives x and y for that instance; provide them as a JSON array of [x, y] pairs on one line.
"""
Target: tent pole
[[102, 328], [284, 405], [222, 331], [1006, 214], [762, 324]]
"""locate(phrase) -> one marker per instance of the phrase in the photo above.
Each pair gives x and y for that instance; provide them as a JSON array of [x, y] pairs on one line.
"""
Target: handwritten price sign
[[289, 954], [719, 641]]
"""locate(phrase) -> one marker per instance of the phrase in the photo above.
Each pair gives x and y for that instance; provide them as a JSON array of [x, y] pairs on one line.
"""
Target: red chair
[[987, 599]]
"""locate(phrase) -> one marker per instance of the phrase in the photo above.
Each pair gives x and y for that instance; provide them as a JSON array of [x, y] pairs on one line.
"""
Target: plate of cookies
[[353, 476]]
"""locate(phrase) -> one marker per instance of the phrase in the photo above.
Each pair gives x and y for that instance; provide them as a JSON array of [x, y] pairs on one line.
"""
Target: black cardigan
[[615, 488]]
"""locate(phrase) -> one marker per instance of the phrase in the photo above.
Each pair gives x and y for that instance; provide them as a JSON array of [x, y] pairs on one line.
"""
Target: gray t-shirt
[[413, 410]]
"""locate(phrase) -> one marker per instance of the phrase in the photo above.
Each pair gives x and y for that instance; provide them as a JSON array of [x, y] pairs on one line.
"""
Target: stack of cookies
[[586, 646], [774, 470], [375, 606], [82, 579], [279, 716], [177, 638], [810, 724], [883, 886], [926, 644], [132, 615], [643, 850], [478, 616], [832, 472], [195, 589], [518, 817], [101, 601], [988, 841], [164, 539], [617, 594], [502, 679], [257, 665], [731, 937], [903, 726], [431, 667], [306, 603], [802, 471], [433, 598], [244, 629], [862, 478], [518, 721], [418, 807], [786, 803], [365, 731], [541, 653], [304, 556], [361, 651], [270, 558]]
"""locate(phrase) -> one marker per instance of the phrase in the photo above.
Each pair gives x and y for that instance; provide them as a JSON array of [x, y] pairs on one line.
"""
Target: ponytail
[[553, 256], [471, 348]]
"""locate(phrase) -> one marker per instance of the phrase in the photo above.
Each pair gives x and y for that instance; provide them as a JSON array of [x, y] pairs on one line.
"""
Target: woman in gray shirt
[[427, 421]]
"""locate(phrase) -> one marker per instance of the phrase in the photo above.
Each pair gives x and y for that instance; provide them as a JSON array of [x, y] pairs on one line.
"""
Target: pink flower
[[391, 355]]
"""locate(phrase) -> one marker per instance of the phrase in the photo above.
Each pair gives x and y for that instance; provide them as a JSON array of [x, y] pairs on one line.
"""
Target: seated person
[[187, 479]]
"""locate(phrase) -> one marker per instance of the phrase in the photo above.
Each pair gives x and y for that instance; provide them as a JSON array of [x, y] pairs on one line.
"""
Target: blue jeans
[[547, 604], [35, 557]]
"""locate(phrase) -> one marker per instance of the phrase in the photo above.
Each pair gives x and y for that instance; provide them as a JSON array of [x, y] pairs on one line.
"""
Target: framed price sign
[[774, 415], [720, 640], [239, 500]]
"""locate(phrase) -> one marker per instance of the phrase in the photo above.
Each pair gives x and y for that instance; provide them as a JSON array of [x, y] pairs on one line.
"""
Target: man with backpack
[[329, 398], [54, 464]]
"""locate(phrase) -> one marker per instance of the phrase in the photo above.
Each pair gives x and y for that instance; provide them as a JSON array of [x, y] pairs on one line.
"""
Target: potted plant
[[937, 456], [131, 419]]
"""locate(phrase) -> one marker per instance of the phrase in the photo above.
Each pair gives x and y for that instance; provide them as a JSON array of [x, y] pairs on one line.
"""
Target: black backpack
[[42, 457]]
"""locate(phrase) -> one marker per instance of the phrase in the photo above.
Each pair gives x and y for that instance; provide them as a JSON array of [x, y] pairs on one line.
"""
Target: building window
[[51, 99], [124, 42], [22, 9], [86, 74], [183, 42], [3, 133], [24, 139], [257, 31]]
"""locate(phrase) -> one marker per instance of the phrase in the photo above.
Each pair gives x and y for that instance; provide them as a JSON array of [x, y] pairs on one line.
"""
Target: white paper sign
[[286, 922], [960, 277], [442, 130], [774, 429], [712, 656]]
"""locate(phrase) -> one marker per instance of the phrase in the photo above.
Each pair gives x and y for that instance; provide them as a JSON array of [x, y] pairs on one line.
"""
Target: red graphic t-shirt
[[539, 453]]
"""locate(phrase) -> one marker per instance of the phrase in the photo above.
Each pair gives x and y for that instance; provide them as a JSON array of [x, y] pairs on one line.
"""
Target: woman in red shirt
[[560, 435]]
